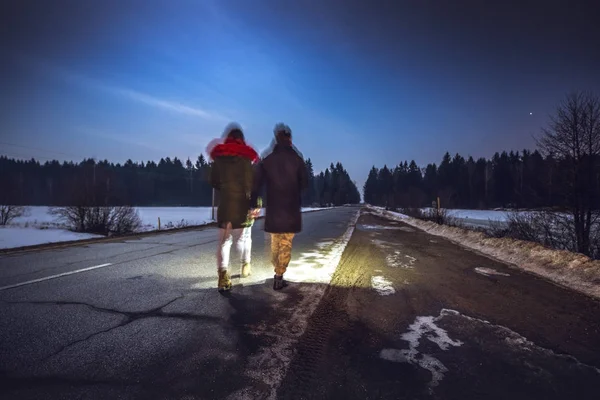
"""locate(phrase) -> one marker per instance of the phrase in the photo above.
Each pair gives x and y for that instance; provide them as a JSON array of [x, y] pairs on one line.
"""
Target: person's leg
[[238, 239], [274, 250], [282, 258], [285, 252], [245, 247], [223, 252]]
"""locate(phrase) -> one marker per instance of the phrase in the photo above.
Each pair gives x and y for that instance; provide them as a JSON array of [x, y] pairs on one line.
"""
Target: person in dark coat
[[232, 176], [284, 174]]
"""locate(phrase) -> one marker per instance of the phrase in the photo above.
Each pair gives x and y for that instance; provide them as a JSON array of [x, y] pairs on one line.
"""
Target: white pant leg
[[224, 247], [240, 239], [246, 245]]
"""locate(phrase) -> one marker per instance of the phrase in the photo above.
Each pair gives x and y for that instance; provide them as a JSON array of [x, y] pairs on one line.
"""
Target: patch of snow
[[11, 237], [575, 271], [480, 215], [382, 244], [399, 260], [489, 272], [315, 266], [423, 328], [384, 227], [382, 285]]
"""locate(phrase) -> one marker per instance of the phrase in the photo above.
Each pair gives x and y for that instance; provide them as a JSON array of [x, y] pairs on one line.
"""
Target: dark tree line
[[509, 179], [524, 179], [170, 182], [332, 186], [563, 175]]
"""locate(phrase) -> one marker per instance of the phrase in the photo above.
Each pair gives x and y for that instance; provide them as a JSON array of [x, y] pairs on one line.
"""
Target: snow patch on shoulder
[[382, 286], [11, 237], [424, 328], [399, 260], [489, 272], [382, 244], [384, 227]]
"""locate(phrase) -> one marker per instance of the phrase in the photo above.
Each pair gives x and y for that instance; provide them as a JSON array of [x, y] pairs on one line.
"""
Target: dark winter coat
[[232, 175], [284, 174]]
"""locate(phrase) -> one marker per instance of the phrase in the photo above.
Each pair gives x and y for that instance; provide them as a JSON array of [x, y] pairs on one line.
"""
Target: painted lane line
[[47, 278]]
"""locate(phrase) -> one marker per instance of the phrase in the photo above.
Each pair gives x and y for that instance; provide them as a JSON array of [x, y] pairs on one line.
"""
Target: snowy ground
[[37, 226], [479, 215], [479, 218], [18, 237], [575, 271]]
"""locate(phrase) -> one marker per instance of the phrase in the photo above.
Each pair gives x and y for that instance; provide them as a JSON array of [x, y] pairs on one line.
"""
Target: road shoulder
[[415, 315]]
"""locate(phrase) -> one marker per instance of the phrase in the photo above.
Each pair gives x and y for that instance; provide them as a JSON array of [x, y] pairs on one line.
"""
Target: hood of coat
[[234, 148]]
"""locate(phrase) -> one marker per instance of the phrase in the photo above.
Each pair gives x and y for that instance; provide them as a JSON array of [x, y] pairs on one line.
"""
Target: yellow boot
[[246, 270], [224, 281]]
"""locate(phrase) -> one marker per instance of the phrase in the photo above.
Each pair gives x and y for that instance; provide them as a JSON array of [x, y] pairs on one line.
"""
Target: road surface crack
[[128, 317]]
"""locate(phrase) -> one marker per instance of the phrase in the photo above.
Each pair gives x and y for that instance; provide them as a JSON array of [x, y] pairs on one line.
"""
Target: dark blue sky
[[361, 82]]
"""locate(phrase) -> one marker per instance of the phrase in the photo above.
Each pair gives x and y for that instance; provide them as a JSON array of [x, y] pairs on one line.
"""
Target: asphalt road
[[406, 316]]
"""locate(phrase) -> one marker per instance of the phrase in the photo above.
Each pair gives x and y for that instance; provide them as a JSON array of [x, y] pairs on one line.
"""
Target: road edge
[[112, 239]]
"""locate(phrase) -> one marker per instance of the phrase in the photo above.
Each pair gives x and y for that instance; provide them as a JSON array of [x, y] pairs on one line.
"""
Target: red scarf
[[234, 148]]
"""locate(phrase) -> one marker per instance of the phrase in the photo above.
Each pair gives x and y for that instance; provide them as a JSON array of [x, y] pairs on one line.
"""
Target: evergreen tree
[[371, 187]]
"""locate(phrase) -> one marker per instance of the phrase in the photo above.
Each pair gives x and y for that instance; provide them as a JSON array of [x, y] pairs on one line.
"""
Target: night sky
[[361, 82]]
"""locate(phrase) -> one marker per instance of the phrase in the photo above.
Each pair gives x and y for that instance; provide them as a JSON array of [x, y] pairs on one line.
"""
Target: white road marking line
[[47, 278]]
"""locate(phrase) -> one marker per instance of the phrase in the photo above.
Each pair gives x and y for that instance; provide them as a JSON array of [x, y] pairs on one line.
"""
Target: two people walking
[[240, 178]]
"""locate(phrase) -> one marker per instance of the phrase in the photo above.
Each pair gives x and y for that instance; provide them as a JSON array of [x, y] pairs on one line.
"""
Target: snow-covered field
[[573, 270], [478, 215], [11, 236], [479, 218], [38, 226]]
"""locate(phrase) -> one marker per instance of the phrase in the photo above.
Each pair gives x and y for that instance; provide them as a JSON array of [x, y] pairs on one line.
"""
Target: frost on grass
[[424, 328], [489, 272], [575, 271], [382, 286]]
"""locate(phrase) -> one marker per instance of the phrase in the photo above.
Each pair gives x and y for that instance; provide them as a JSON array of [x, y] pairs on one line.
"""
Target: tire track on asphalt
[[303, 377], [270, 364]]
